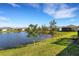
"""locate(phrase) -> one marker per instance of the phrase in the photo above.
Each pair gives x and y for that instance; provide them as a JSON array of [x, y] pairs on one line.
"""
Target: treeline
[[34, 30]]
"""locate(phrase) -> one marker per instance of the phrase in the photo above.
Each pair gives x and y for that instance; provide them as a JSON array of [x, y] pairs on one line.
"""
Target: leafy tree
[[52, 24], [44, 29], [52, 27], [32, 30], [39, 30]]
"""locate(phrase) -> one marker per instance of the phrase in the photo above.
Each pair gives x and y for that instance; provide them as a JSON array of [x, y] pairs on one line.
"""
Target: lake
[[13, 39]]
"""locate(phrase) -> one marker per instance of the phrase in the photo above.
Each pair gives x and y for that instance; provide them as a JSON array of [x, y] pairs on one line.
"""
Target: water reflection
[[8, 40]]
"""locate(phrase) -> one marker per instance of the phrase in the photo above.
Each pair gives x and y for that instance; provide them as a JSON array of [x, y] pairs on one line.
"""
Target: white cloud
[[14, 5], [35, 5], [49, 9], [65, 13], [59, 10], [2, 18]]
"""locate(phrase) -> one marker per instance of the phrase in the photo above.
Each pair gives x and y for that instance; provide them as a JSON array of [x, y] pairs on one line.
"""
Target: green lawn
[[59, 45]]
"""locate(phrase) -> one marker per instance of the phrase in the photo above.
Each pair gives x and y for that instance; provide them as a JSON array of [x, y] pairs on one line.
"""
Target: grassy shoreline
[[42, 48]]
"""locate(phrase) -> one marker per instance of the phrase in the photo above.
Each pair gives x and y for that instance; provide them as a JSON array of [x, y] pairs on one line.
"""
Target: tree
[[52, 24], [52, 27], [39, 30], [32, 30], [44, 29]]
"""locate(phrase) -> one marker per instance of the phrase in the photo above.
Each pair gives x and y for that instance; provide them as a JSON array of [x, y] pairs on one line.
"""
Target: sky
[[23, 14]]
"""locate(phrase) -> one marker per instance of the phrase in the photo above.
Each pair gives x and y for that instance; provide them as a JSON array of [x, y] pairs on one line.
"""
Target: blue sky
[[21, 15]]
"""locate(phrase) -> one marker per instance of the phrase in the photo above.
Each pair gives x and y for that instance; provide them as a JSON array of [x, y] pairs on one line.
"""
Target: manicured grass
[[50, 47], [70, 50], [63, 41]]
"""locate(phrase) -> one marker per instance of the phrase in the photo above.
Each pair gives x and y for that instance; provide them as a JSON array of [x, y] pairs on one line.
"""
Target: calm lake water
[[9, 40]]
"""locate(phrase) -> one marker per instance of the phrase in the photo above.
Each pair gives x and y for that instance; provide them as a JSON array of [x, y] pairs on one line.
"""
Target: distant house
[[19, 29], [77, 27], [69, 28], [23, 29], [3, 29], [66, 29], [60, 29]]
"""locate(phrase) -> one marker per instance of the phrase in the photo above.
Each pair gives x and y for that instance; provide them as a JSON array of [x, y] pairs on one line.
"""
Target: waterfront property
[[5, 29], [68, 28], [39, 29]]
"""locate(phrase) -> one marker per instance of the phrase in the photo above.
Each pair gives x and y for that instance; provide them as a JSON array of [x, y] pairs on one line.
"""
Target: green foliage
[[0, 29], [53, 28], [51, 32], [44, 29], [52, 24], [32, 30]]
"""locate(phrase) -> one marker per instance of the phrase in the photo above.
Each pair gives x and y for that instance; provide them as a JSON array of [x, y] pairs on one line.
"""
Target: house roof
[[70, 26]]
